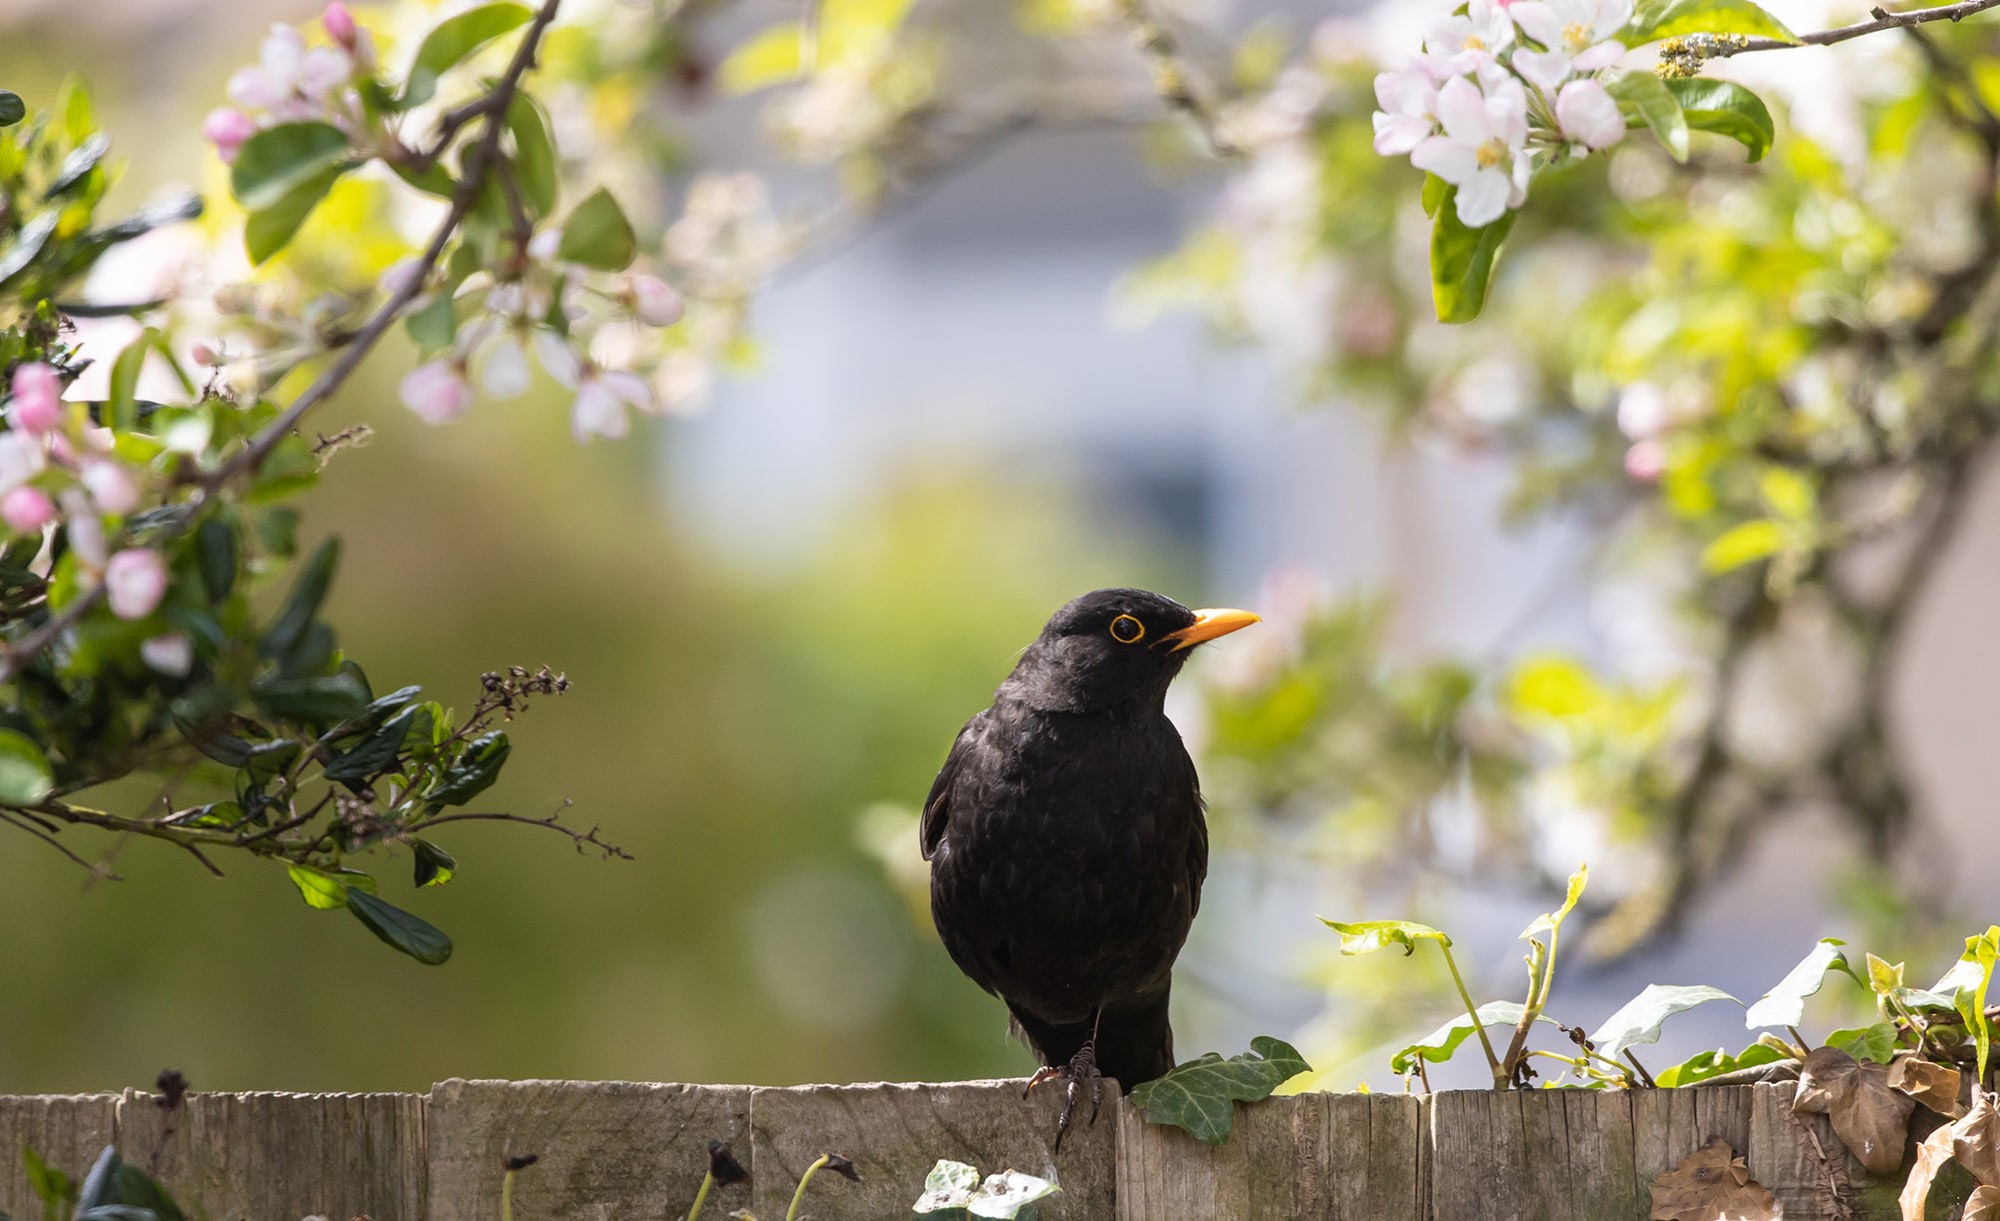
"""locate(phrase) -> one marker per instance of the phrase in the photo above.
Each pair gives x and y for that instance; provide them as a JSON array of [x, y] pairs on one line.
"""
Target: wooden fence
[[612, 1151]]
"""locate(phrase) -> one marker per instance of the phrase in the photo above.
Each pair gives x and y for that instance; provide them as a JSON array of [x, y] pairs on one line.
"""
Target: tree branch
[[1883, 20], [1174, 80]]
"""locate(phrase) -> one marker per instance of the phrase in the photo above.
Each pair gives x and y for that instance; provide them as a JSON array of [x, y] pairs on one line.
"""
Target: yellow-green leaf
[[1744, 543]]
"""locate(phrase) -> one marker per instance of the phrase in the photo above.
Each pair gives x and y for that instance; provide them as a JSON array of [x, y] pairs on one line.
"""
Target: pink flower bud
[[437, 391], [1646, 460], [135, 580], [339, 23], [227, 129], [37, 398], [111, 486], [205, 354], [27, 510], [171, 654], [655, 301]]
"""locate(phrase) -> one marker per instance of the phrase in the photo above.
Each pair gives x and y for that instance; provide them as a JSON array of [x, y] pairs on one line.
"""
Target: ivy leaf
[[1876, 1044], [327, 889], [452, 42], [1549, 922], [1645, 101], [1006, 1194], [598, 235], [1656, 19], [1727, 109], [1198, 1095], [1639, 1019], [1982, 952], [25, 777], [1462, 259], [949, 1185], [1785, 1003], [275, 161], [1715, 1063], [417, 938], [1372, 935], [1438, 1046]]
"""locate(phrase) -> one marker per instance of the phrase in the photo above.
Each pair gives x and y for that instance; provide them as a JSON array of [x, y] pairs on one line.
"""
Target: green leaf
[[1005, 1195], [277, 160], [452, 42], [1549, 922], [78, 164], [1438, 1046], [25, 778], [535, 162], [1655, 19], [1198, 1095], [1372, 935], [12, 108], [1884, 977], [435, 866], [49, 1184], [1743, 543], [1875, 1043], [1785, 1003], [308, 591], [1715, 1063], [1982, 952], [433, 327], [269, 230], [1436, 192], [949, 1186], [18, 253], [1727, 109], [474, 772], [147, 1200], [1462, 260], [1639, 1019], [1645, 100], [399, 928], [328, 888], [218, 553], [433, 179], [598, 235], [376, 754], [319, 700]]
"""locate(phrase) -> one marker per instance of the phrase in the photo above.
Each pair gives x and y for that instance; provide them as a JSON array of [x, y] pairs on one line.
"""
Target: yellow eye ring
[[1127, 630]]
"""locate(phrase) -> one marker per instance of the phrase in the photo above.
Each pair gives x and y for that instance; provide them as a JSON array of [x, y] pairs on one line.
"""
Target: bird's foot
[[1082, 1067]]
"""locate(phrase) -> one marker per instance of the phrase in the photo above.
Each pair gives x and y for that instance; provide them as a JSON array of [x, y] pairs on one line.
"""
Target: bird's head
[[1114, 648]]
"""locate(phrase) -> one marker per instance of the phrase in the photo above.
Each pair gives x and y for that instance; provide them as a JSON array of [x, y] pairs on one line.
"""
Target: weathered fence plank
[[256, 1157], [606, 1150], [1351, 1157], [67, 1130], [895, 1133]]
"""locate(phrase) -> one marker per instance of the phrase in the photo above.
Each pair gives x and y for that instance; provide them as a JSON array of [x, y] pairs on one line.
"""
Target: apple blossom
[[171, 654], [601, 399], [1408, 97], [1646, 460], [83, 529], [1589, 115], [1482, 149], [1578, 36], [1464, 43], [37, 398], [21, 458], [27, 509], [504, 372], [135, 580], [655, 302], [227, 128], [110, 485], [437, 391], [339, 23]]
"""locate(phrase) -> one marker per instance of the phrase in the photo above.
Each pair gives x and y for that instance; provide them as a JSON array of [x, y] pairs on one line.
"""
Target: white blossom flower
[[1482, 151], [1589, 115], [1462, 44], [1408, 97], [85, 531], [110, 485], [171, 654], [437, 391], [1578, 35], [21, 458], [134, 582], [601, 399], [503, 374]]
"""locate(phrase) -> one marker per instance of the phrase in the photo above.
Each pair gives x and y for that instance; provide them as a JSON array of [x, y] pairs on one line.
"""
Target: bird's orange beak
[[1207, 625]]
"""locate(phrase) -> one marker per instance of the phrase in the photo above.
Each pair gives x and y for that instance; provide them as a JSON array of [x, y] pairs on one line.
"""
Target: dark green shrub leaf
[[1198, 1095], [452, 42], [308, 591], [49, 1184], [1785, 1003], [25, 778], [376, 754], [399, 928], [218, 553], [139, 1193], [322, 700], [598, 235], [1462, 260], [267, 759], [277, 160], [435, 866], [1639, 1019], [12, 108], [1645, 101], [474, 771], [1727, 109]]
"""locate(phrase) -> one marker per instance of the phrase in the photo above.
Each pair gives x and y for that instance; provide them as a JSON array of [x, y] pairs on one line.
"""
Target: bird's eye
[[1127, 630]]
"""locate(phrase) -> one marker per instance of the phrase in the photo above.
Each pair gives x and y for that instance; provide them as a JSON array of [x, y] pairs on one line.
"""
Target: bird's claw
[[1082, 1067]]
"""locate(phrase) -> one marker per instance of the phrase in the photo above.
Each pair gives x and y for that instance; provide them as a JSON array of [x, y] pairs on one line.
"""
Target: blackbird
[[1066, 839]]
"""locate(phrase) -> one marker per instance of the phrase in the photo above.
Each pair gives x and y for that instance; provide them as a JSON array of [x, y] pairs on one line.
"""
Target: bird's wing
[[937, 806], [1197, 854]]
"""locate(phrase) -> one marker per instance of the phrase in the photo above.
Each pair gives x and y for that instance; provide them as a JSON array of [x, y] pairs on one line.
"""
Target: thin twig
[[9, 818], [1173, 79], [1882, 21]]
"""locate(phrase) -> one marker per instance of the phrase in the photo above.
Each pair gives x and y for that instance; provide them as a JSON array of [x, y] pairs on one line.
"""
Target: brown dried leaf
[[1982, 1205], [1931, 1083], [1712, 1184], [1871, 1119], [1932, 1154], [1975, 1140]]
